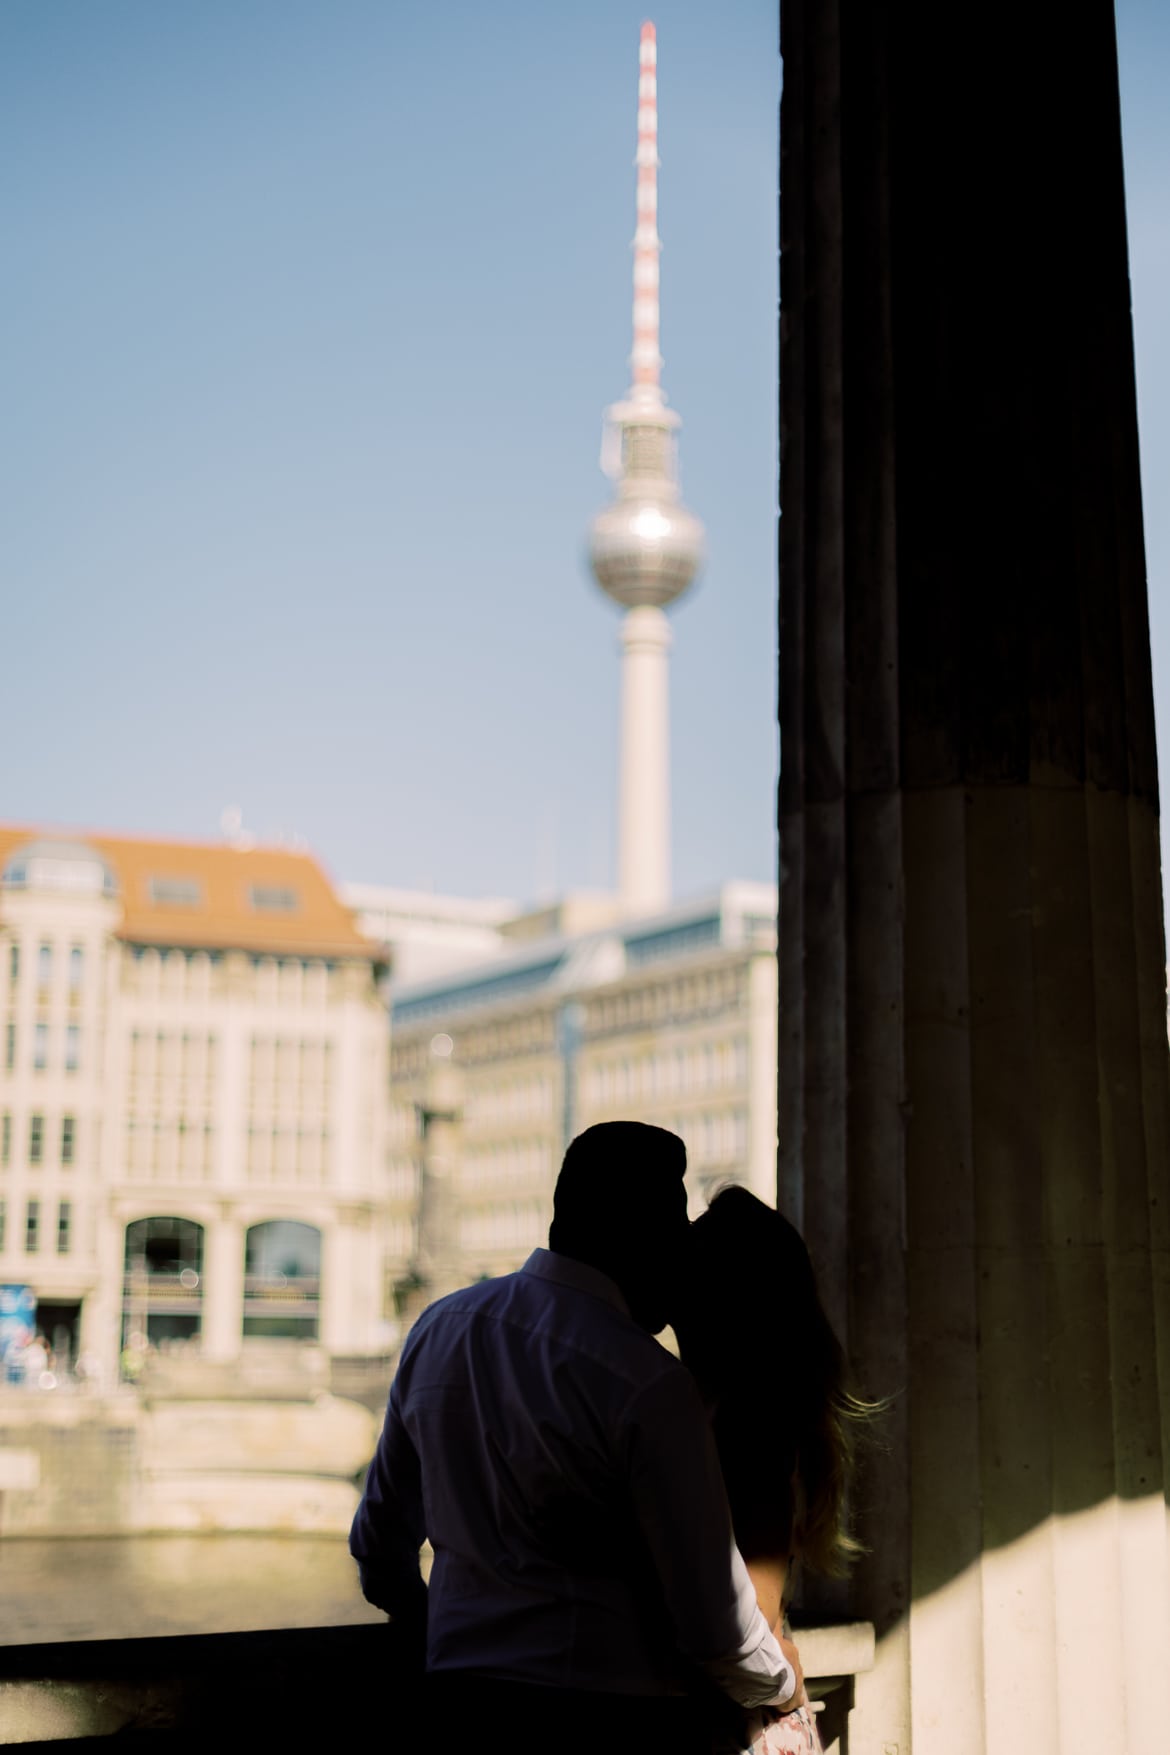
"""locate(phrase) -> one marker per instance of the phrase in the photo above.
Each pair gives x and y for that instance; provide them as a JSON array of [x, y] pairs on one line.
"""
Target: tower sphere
[[645, 550]]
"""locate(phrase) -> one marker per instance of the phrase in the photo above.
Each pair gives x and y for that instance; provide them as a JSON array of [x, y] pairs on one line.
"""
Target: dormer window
[[273, 899], [175, 892]]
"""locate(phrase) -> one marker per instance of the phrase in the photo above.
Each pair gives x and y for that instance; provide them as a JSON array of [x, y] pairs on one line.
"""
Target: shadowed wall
[[973, 1050]]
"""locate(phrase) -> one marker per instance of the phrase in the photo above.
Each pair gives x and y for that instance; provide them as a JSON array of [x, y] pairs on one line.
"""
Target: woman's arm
[[768, 1576]]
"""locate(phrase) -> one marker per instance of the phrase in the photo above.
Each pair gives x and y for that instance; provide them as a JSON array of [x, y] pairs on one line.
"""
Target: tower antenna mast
[[646, 360], [645, 547]]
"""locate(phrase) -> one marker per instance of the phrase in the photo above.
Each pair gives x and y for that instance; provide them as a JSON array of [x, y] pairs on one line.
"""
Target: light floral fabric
[[788, 1733]]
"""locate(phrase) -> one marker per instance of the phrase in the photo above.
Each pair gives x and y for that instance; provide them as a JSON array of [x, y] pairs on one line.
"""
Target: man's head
[[620, 1205]]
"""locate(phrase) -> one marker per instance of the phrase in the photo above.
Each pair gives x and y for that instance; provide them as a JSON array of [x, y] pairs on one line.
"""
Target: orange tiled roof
[[222, 880]]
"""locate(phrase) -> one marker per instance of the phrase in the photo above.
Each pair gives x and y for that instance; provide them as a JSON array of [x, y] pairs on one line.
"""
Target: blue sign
[[18, 1325]]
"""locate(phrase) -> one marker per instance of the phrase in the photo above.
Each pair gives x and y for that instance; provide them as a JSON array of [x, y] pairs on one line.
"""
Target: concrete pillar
[[761, 1091], [974, 1084], [644, 781], [101, 1310], [341, 1282], [440, 1263], [223, 1286]]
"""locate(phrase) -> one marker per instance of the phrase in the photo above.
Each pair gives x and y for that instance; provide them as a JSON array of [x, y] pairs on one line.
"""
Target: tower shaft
[[644, 782]]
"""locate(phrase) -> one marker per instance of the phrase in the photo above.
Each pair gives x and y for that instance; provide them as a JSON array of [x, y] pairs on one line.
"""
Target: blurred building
[[670, 1018], [193, 1098], [425, 935]]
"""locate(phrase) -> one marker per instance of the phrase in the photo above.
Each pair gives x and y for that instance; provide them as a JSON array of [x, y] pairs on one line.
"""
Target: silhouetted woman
[[751, 1310]]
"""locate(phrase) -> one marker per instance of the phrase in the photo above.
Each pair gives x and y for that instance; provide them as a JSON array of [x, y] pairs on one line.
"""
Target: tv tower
[[645, 548]]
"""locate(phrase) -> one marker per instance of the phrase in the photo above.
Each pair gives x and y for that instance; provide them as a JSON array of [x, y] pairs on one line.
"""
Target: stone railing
[[294, 1689]]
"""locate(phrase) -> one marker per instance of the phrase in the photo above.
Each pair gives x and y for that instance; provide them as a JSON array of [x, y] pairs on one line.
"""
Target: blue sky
[[310, 316]]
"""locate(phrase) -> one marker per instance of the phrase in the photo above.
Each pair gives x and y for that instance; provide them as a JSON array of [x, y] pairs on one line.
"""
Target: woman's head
[[750, 1295], [747, 1269]]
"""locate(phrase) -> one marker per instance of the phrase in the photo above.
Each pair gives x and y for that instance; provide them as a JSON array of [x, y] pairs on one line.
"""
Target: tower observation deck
[[645, 548]]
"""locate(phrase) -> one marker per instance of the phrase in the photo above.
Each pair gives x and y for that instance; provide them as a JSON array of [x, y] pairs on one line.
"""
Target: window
[[14, 963], [6, 1138], [72, 1047], [44, 965], [175, 892], [273, 899], [10, 1045], [36, 1138], [40, 1046], [76, 967], [32, 1227], [64, 1226], [68, 1138], [282, 1274]]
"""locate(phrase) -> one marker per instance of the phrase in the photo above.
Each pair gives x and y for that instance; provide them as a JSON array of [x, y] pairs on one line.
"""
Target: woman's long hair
[[751, 1281]]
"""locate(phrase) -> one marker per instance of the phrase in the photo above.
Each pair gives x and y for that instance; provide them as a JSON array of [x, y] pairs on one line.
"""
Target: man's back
[[524, 1400]]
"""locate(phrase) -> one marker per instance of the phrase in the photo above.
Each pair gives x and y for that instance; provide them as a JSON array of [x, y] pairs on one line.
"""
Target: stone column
[[439, 1264], [223, 1286], [973, 1054], [349, 1290], [101, 1311]]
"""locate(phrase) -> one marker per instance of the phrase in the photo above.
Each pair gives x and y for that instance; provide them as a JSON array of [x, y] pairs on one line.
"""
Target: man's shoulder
[[539, 1313], [600, 1336], [480, 1295]]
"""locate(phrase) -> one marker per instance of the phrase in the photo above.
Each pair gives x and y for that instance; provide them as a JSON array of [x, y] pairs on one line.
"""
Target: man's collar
[[564, 1270]]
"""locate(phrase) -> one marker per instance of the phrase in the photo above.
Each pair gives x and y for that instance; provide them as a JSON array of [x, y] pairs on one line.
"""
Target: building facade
[[669, 1019], [193, 1107], [425, 935]]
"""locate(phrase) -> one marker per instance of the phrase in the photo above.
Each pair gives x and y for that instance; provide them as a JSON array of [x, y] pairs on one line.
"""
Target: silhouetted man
[[559, 1461]]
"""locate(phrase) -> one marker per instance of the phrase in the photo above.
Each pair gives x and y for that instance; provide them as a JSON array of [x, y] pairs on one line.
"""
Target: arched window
[[282, 1281], [162, 1293]]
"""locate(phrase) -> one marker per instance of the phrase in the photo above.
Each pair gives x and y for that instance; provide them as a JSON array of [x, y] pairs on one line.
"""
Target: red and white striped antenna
[[646, 360]]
